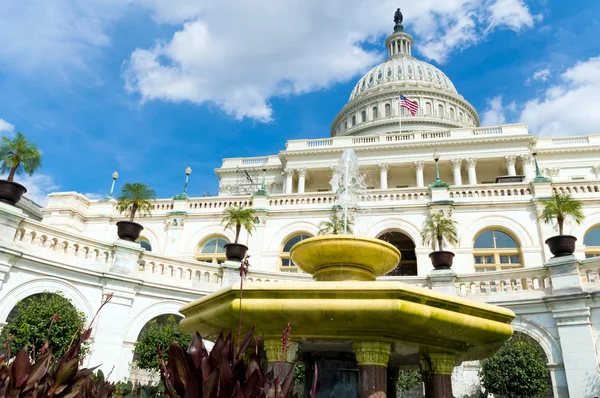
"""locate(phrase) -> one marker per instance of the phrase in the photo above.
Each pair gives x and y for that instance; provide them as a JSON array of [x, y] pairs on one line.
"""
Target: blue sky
[[150, 86]]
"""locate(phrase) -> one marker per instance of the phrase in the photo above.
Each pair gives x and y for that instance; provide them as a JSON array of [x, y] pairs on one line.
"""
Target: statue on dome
[[398, 18]]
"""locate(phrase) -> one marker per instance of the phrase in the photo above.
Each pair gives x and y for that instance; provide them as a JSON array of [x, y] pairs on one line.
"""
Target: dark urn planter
[[129, 230], [235, 251], [561, 245], [11, 192], [441, 259]]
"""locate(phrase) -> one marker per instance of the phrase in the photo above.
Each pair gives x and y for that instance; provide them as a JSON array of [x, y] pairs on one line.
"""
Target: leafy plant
[[238, 216], [559, 207], [157, 335], [518, 369], [19, 156], [128, 389], [335, 224], [408, 379], [439, 228], [135, 197], [28, 324], [50, 376]]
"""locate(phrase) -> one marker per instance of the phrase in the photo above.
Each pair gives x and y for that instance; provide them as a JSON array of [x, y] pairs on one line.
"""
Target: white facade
[[74, 249]]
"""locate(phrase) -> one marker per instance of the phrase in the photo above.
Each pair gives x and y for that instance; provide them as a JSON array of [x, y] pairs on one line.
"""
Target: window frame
[[497, 253], [286, 255], [212, 258], [591, 251]]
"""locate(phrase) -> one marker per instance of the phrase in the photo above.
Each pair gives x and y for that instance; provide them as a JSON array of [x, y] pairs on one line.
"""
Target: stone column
[[437, 371], [528, 171], [301, 179], [174, 228], [471, 162], [274, 351], [289, 180], [372, 358], [383, 176], [456, 164], [419, 164], [510, 164]]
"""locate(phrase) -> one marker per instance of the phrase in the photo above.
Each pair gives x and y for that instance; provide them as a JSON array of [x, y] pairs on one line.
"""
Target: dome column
[[471, 162], [289, 180], [510, 164], [383, 175], [419, 165], [526, 161], [437, 374], [301, 179], [456, 164], [372, 358]]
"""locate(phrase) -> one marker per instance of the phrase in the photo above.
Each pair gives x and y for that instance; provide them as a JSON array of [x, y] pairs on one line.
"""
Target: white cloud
[[94, 196], [540, 75], [570, 107], [495, 113], [38, 187], [237, 55], [6, 128]]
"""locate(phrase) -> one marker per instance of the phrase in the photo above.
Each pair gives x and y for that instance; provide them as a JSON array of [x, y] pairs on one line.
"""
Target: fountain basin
[[345, 257], [335, 314]]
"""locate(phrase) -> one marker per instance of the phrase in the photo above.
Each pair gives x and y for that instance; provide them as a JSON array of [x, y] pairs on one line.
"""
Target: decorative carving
[[372, 353], [441, 364], [456, 163], [274, 349], [572, 316], [526, 159], [302, 172], [510, 160], [471, 162], [419, 164], [383, 167], [288, 172], [596, 170], [550, 171]]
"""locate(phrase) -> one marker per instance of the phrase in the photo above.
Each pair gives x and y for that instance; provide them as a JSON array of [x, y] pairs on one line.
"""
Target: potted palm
[[17, 156], [235, 218], [134, 198], [440, 228], [559, 208], [335, 225]]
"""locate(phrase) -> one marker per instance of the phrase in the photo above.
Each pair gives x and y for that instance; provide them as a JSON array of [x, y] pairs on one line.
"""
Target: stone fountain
[[358, 330]]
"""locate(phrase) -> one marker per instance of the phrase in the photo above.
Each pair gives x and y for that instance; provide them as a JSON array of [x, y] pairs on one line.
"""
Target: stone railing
[[419, 281], [525, 280], [217, 202], [495, 192], [168, 270], [590, 271], [578, 189]]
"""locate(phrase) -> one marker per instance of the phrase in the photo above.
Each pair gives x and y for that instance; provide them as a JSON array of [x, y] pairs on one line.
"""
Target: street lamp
[[538, 177], [115, 175], [437, 183], [262, 191], [188, 171]]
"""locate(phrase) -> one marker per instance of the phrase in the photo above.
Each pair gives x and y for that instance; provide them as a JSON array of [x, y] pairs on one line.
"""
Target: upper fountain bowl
[[345, 257]]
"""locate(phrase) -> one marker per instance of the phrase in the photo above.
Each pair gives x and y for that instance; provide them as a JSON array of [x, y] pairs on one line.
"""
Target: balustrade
[[507, 281]]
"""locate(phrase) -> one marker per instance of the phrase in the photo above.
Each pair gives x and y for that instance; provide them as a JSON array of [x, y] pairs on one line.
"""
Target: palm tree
[[439, 228], [335, 225], [19, 155], [559, 207], [135, 197], [237, 217]]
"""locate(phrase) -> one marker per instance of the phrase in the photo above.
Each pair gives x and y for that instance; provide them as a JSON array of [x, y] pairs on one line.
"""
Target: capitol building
[[71, 245]]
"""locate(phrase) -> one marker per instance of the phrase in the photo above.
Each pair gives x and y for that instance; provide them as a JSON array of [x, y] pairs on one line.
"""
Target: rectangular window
[[515, 260], [286, 262]]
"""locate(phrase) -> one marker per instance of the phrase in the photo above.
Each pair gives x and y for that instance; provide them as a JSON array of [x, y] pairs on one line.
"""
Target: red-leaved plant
[[49, 376]]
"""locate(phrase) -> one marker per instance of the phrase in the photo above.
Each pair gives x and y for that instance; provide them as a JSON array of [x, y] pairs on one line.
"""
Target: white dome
[[403, 68]]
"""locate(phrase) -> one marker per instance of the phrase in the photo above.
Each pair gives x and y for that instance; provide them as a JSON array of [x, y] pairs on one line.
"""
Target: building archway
[[408, 259]]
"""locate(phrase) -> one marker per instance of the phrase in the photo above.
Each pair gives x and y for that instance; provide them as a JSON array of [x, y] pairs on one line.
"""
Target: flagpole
[[400, 113]]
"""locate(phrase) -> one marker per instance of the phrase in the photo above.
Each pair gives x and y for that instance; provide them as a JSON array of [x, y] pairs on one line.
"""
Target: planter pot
[[561, 245], [441, 259], [129, 230], [235, 251], [11, 192]]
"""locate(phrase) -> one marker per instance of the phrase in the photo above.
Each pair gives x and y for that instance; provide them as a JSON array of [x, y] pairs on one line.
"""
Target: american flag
[[412, 106]]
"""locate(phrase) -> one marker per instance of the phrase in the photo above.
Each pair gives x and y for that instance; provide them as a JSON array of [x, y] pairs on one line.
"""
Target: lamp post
[[262, 191], [115, 175], [437, 183], [538, 176], [183, 195]]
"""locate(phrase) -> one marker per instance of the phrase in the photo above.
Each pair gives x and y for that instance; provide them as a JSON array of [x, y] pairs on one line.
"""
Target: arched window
[[363, 116], [375, 112], [286, 262], [591, 240], [460, 116], [354, 120], [451, 113], [212, 250], [441, 110], [346, 125], [145, 243], [428, 109], [495, 250], [388, 110]]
